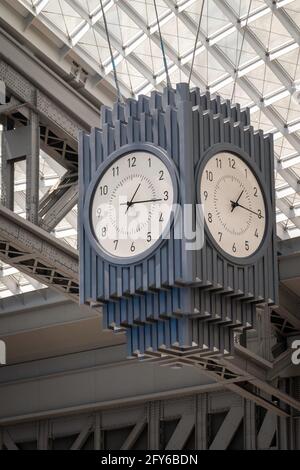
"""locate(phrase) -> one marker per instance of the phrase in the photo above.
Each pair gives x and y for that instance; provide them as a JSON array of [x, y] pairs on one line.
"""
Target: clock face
[[132, 204], [234, 206]]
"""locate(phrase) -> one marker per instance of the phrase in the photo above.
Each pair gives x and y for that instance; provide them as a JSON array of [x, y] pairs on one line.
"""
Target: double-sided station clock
[[176, 150]]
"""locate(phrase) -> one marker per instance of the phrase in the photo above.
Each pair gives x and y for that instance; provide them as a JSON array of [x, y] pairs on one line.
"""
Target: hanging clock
[[130, 203], [235, 204]]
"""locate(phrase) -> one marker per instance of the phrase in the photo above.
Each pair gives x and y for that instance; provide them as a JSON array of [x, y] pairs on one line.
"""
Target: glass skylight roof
[[253, 42]]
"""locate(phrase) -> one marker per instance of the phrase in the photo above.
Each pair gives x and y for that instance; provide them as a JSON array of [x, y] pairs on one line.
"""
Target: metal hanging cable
[[241, 51], [111, 54], [162, 46], [196, 41]]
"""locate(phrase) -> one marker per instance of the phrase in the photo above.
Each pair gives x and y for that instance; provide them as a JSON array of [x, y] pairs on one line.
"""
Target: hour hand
[[236, 203], [130, 203]]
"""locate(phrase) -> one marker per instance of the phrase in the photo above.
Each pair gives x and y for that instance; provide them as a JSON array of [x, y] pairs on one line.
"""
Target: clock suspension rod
[[162, 47], [241, 51], [196, 41], [111, 54]]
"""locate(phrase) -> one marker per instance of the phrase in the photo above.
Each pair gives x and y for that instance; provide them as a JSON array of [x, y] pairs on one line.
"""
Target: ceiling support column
[[33, 170], [7, 168]]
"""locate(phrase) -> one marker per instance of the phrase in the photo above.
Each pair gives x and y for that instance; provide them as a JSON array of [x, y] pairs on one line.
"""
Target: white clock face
[[132, 204], [234, 207]]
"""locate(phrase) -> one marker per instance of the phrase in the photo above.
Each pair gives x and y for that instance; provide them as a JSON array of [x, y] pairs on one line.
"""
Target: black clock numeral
[[232, 163], [149, 162], [116, 171], [255, 190], [161, 218], [132, 248], [98, 212], [161, 175], [103, 231], [116, 242], [247, 246], [220, 236], [256, 233], [260, 216], [132, 162], [246, 172], [219, 163], [234, 248], [209, 176], [166, 195], [103, 190], [149, 237], [210, 218], [205, 195]]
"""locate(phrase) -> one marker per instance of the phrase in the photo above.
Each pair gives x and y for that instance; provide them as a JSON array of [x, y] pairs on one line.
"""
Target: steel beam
[[43, 435], [285, 20], [289, 303], [33, 170], [201, 421], [224, 371], [289, 266], [267, 431], [49, 112], [264, 328], [7, 170], [288, 211], [154, 425], [61, 203], [228, 429], [250, 425], [134, 434], [132, 58], [181, 433], [82, 437], [42, 88], [32, 251], [8, 441]]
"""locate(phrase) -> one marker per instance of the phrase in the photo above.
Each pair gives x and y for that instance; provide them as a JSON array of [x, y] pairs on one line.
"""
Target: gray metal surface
[[200, 415]]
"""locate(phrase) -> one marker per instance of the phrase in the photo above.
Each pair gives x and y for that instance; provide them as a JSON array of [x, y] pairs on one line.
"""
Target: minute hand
[[142, 202], [249, 210]]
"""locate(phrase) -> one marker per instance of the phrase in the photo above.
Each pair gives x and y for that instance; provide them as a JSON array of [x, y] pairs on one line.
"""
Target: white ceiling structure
[[247, 50]]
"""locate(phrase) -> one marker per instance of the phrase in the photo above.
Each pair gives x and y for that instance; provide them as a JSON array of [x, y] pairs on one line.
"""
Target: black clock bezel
[[234, 150], [87, 221]]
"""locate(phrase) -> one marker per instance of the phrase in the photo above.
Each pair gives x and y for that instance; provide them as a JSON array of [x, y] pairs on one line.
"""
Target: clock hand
[[236, 203], [249, 210], [140, 202], [130, 203]]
